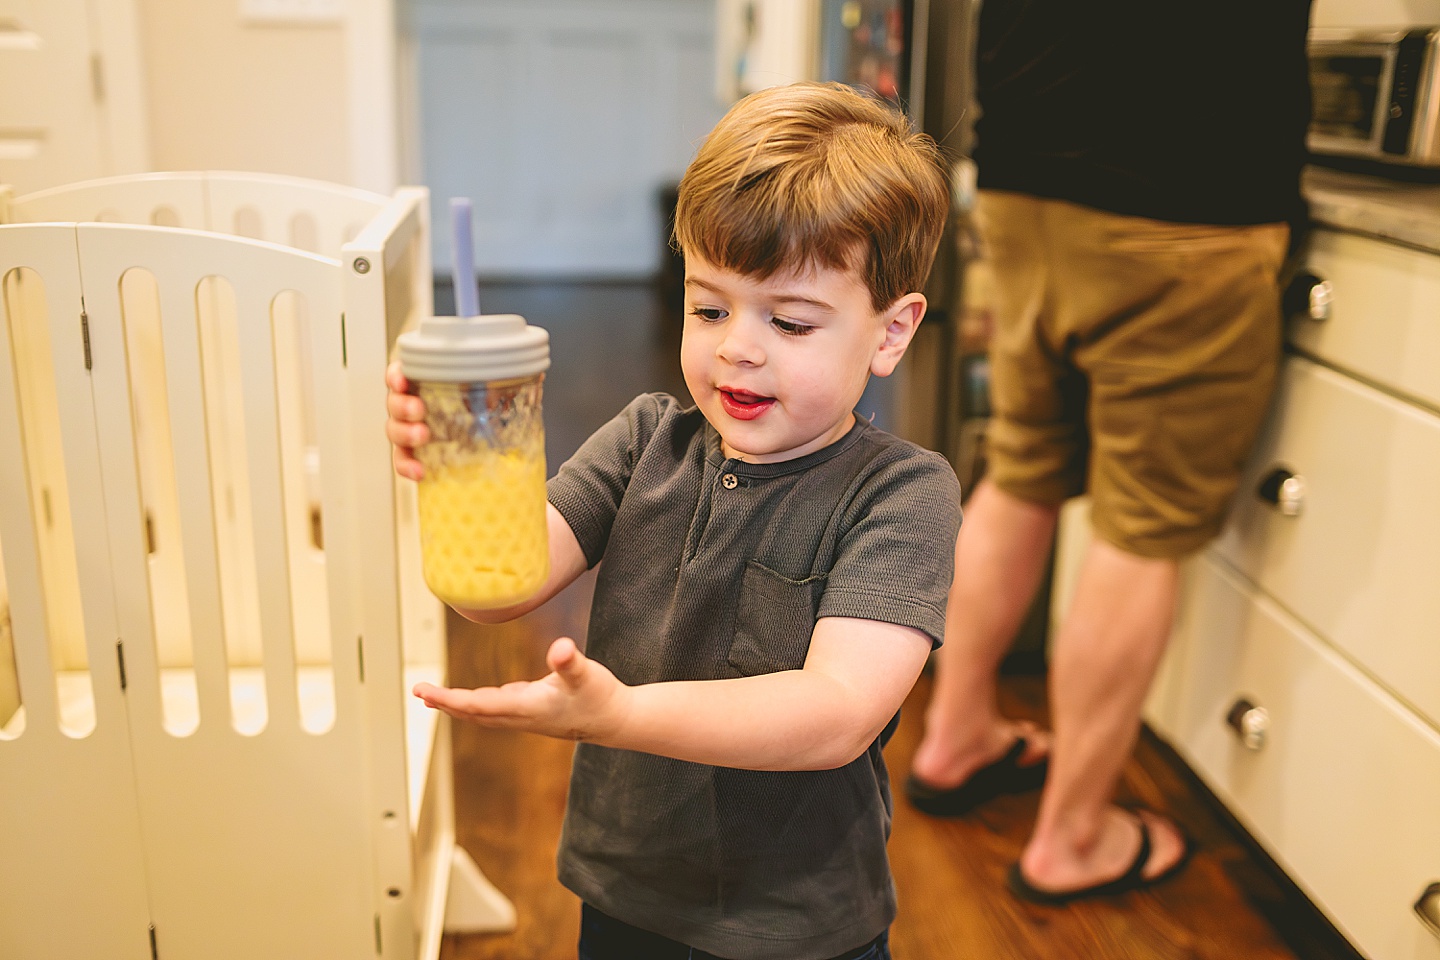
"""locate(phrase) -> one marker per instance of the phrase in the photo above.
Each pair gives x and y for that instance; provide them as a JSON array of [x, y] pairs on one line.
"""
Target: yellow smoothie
[[482, 528]]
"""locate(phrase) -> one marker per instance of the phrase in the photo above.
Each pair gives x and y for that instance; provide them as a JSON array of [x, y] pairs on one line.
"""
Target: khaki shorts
[[1132, 359]]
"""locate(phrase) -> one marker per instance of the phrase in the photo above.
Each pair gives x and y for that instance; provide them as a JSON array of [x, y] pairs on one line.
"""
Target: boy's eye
[[708, 314], [790, 328]]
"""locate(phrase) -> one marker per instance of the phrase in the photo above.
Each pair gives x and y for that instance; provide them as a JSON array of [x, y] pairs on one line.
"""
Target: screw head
[[361, 265]]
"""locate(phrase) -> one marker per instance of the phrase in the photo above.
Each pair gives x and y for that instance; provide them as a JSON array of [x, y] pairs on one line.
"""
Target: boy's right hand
[[405, 425], [579, 700]]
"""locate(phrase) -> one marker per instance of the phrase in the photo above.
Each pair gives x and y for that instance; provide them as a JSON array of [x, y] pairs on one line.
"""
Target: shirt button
[[730, 481]]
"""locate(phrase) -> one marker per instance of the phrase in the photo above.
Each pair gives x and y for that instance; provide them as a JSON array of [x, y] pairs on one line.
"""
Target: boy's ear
[[901, 319]]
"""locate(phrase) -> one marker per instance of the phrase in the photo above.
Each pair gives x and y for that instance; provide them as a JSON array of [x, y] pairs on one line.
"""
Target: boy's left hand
[[579, 700]]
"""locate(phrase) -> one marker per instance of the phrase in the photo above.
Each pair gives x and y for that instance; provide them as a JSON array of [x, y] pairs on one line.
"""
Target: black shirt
[[1189, 112], [716, 568]]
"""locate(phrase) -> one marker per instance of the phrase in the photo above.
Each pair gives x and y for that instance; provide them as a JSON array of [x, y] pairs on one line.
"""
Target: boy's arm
[[822, 716]]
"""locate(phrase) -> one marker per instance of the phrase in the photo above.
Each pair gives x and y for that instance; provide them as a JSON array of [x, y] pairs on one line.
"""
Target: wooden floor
[[613, 341]]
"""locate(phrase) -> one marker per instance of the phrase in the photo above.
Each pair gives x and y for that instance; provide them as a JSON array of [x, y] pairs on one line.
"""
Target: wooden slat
[[338, 505], [385, 249], [378, 301], [225, 419], [267, 505], [50, 251]]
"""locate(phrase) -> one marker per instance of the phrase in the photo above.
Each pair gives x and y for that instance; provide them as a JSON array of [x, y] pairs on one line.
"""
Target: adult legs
[[1000, 555], [1151, 415], [1173, 407], [1103, 661]]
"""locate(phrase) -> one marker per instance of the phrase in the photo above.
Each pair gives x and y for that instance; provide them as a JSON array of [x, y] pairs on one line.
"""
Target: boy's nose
[[739, 347]]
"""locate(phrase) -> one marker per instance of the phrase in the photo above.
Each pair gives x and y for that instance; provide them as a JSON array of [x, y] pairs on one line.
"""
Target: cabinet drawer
[[1343, 792], [1360, 564], [1383, 320]]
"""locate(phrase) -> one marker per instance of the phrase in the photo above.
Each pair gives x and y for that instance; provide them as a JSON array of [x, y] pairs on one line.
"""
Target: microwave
[[1374, 94]]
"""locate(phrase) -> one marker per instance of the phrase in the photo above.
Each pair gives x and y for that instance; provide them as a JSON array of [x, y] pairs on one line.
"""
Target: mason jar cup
[[483, 536]]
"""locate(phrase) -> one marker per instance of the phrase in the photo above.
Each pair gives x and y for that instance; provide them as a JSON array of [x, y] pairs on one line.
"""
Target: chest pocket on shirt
[[773, 621]]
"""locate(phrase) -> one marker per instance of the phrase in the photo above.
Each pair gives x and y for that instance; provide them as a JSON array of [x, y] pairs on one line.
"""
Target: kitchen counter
[[1407, 213]]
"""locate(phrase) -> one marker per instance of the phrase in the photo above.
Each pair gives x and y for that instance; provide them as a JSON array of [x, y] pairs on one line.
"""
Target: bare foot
[[943, 767], [1062, 872]]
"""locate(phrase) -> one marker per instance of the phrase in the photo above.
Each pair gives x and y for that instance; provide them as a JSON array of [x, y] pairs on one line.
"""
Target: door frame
[[372, 85], [115, 38]]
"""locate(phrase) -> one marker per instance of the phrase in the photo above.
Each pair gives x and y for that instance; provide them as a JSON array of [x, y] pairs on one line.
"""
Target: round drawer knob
[[1309, 296], [1250, 723], [1284, 489], [1427, 908]]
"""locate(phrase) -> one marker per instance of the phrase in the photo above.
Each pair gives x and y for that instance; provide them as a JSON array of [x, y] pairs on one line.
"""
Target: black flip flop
[[1132, 879], [998, 778]]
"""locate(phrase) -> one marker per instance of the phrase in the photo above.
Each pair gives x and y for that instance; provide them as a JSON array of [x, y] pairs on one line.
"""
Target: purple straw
[[467, 300]]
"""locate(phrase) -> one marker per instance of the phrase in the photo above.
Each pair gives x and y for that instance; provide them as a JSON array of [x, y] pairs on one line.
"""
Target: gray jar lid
[[501, 346]]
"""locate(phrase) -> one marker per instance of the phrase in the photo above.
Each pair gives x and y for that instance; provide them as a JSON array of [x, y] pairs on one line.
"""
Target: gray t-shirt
[[717, 568]]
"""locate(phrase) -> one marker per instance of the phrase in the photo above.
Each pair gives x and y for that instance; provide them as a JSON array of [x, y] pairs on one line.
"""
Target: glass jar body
[[483, 537]]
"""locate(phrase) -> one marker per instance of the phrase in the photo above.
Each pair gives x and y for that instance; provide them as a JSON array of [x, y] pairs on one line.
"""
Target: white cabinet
[[1343, 789], [1326, 617], [1360, 563], [1383, 315]]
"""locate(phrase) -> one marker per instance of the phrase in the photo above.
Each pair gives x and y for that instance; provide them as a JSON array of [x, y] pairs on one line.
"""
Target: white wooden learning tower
[[211, 610]]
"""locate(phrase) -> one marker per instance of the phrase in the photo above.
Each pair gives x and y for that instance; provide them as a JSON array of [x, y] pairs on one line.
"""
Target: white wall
[[561, 119], [223, 93]]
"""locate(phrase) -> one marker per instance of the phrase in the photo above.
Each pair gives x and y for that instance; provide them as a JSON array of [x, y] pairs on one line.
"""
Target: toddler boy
[[775, 569]]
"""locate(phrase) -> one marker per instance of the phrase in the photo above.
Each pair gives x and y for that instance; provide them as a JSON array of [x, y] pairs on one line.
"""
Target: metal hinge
[[154, 948], [360, 648], [344, 345], [85, 335], [124, 683], [97, 77], [378, 949]]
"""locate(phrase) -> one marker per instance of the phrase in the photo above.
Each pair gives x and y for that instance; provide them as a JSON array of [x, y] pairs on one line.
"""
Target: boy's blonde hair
[[816, 174]]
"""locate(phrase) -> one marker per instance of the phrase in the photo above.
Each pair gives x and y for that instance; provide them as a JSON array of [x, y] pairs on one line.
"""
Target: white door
[[562, 120], [69, 92]]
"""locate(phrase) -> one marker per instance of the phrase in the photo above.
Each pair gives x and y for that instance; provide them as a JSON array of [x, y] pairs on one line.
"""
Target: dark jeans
[[602, 937]]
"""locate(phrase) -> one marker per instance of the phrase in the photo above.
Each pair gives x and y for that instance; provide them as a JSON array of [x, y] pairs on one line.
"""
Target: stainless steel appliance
[[1375, 94]]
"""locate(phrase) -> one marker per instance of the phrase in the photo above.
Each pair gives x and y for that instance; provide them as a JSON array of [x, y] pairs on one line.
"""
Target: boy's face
[[777, 365]]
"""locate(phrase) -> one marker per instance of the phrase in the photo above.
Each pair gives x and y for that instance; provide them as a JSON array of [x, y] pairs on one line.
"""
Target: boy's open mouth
[[743, 405]]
